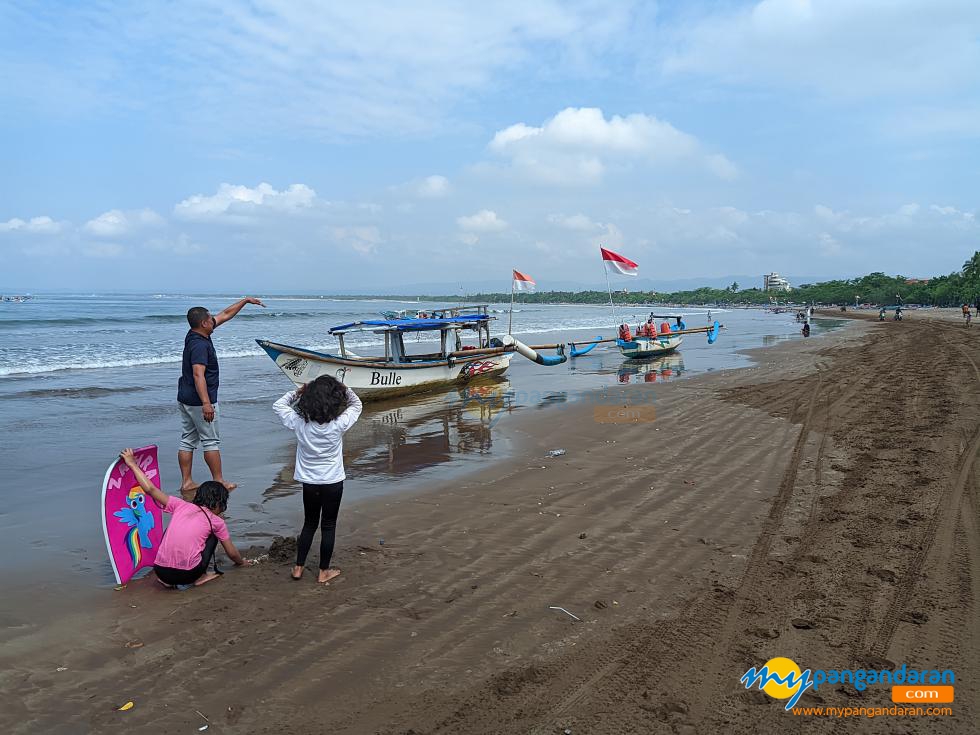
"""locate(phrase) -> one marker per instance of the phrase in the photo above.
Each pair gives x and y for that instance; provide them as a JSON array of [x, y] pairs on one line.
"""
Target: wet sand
[[820, 506]]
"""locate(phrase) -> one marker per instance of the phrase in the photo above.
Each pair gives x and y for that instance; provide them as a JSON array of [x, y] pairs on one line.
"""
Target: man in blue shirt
[[197, 393]]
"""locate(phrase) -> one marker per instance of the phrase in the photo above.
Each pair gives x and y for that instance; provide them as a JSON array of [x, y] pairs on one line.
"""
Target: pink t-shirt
[[187, 533]]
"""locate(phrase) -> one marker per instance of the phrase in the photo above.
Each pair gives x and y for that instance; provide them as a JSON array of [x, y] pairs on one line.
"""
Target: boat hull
[[375, 381], [649, 346]]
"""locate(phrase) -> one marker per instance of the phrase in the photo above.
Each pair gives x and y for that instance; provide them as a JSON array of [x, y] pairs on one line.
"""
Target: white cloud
[[575, 222], [721, 167], [363, 239], [611, 237], [239, 202], [577, 145], [732, 215], [825, 212], [432, 187], [36, 225], [331, 69], [949, 211], [828, 244], [181, 245], [840, 49], [468, 238], [103, 250], [116, 223], [483, 221]]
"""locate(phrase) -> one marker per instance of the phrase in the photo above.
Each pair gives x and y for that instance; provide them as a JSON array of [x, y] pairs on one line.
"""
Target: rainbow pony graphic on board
[[132, 522], [140, 522]]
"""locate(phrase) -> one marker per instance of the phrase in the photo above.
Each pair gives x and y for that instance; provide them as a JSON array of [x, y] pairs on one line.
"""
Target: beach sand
[[821, 506]]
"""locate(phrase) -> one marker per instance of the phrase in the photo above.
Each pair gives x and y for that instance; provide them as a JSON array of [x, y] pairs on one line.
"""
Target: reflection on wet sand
[[768, 340], [415, 433], [652, 369]]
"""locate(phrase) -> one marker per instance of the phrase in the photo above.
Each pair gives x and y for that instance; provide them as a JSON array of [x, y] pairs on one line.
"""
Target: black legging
[[321, 504], [169, 575]]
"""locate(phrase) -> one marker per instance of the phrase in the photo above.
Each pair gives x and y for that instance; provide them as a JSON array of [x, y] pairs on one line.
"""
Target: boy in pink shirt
[[195, 529]]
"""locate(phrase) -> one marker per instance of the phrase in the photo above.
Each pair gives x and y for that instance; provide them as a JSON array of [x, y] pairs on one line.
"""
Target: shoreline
[[765, 511]]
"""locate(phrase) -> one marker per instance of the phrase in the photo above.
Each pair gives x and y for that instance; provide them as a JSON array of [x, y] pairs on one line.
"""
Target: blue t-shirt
[[198, 350]]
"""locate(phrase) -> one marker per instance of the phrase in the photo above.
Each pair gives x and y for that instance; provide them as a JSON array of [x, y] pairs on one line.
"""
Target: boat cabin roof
[[470, 321]]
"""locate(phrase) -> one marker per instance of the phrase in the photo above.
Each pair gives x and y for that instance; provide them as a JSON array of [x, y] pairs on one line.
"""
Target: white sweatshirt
[[319, 447]]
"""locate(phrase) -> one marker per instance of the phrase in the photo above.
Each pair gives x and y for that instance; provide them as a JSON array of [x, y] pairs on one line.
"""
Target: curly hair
[[321, 401], [212, 495]]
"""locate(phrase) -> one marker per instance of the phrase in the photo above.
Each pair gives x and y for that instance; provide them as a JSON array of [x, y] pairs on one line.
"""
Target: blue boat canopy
[[412, 325]]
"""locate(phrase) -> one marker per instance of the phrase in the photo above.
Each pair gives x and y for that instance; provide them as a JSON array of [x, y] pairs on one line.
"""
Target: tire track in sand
[[941, 526]]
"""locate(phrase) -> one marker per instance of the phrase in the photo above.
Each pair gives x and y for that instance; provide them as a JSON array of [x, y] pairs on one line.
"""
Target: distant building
[[916, 281], [774, 282]]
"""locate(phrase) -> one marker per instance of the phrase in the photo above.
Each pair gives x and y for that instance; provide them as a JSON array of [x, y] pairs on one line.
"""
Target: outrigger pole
[[510, 319]]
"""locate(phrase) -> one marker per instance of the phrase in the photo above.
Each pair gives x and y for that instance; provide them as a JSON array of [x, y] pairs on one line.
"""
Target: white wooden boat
[[399, 372], [649, 346]]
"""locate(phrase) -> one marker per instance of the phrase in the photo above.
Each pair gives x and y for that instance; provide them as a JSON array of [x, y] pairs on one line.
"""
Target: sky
[[315, 147]]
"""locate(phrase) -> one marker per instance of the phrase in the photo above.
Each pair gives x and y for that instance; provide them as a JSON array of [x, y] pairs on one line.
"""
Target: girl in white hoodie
[[319, 413]]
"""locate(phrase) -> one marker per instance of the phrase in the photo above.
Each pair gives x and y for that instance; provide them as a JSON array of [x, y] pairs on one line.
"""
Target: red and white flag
[[523, 282], [616, 263]]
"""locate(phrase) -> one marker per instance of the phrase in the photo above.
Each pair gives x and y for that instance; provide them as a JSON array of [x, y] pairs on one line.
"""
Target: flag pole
[[510, 319], [609, 288]]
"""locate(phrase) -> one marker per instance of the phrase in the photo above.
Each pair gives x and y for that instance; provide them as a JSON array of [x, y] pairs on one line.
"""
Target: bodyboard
[[131, 521]]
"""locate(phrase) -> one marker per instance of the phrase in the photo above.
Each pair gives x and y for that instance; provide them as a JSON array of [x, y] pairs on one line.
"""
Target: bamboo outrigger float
[[397, 372]]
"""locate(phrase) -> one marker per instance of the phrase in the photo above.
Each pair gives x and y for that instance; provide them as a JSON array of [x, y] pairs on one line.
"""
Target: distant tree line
[[962, 287]]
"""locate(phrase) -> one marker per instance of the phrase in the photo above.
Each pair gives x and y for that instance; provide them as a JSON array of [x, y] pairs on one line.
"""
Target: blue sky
[[298, 146]]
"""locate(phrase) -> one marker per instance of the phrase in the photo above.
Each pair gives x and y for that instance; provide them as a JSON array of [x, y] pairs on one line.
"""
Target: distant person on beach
[[319, 413], [967, 314], [195, 529], [197, 393], [806, 329]]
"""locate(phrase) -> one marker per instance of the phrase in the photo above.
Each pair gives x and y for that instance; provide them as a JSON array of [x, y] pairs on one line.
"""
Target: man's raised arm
[[222, 316]]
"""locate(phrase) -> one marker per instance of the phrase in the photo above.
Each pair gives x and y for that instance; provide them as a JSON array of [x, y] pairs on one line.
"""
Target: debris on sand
[[555, 607]]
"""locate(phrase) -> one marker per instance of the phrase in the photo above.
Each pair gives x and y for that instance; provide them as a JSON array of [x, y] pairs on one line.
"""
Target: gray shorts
[[196, 432]]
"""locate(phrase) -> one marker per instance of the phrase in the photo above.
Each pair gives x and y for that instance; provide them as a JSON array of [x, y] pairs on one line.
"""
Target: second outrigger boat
[[398, 372], [649, 340]]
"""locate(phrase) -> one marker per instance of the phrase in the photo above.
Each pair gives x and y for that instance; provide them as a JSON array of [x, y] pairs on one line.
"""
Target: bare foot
[[189, 490], [229, 486], [297, 572], [205, 578], [327, 574]]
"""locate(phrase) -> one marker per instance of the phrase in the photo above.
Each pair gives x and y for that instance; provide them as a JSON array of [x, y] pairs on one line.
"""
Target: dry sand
[[820, 506]]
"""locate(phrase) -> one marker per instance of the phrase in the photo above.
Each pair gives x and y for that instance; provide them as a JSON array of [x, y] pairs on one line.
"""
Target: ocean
[[82, 376]]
